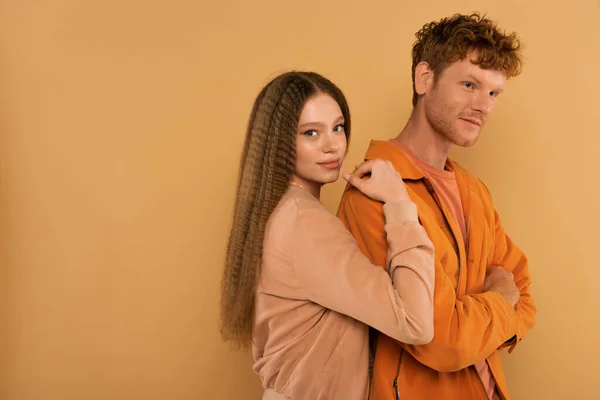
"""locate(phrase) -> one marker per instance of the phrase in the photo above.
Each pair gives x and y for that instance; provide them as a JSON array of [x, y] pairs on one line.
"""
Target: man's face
[[461, 99]]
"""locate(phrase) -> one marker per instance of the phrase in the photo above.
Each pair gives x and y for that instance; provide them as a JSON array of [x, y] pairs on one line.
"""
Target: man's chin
[[466, 142], [467, 145]]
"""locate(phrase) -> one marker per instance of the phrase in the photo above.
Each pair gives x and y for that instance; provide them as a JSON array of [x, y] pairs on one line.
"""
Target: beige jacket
[[317, 294]]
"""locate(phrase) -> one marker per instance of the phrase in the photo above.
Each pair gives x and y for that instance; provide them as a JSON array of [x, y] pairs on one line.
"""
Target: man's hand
[[501, 281]]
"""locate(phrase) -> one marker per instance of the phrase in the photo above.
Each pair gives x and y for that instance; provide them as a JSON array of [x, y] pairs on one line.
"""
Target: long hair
[[267, 165], [442, 42]]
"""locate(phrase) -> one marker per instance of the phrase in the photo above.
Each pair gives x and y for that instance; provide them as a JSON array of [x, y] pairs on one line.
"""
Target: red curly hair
[[443, 42]]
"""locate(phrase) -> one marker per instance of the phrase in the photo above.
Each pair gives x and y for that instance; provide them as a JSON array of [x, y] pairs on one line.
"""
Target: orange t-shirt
[[444, 182]]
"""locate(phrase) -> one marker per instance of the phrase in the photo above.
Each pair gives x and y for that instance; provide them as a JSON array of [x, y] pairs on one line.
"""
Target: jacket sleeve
[[507, 255], [467, 328], [330, 270]]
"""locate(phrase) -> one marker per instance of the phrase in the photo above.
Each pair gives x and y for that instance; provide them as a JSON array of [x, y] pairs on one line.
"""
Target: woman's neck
[[313, 188]]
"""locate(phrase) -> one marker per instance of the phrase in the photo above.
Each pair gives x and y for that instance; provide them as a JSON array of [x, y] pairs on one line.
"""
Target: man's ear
[[423, 78]]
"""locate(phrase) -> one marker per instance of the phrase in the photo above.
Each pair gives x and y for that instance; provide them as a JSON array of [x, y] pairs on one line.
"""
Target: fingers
[[359, 172], [372, 167], [363, 169], [498, 276], [354, 180], [498, 270]]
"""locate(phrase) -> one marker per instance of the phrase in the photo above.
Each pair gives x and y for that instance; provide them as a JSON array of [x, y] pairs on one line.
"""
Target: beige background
[[121, 124]]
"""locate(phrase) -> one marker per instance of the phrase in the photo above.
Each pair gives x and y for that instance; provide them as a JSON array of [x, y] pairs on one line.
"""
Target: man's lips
[[473, 121]]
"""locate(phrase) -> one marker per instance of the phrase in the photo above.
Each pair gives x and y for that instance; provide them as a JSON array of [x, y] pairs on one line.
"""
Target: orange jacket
[[469, 324]]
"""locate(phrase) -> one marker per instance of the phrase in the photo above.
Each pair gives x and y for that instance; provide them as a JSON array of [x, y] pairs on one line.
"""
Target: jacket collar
[[387, 151], [409, 170]]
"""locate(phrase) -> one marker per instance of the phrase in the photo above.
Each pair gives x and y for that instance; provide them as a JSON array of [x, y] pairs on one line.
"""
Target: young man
[[482, 300]]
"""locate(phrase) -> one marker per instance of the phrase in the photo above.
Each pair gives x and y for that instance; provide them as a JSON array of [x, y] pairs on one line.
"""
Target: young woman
[[295, 285]]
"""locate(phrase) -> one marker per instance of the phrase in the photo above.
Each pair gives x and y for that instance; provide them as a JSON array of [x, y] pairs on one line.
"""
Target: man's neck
[[427, 144]]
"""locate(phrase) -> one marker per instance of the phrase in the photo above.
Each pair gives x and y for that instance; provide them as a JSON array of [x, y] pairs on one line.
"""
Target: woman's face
[[320, 142]]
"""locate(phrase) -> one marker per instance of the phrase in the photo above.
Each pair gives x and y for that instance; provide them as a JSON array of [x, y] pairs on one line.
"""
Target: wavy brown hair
[[443, 42], [267, 165]]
